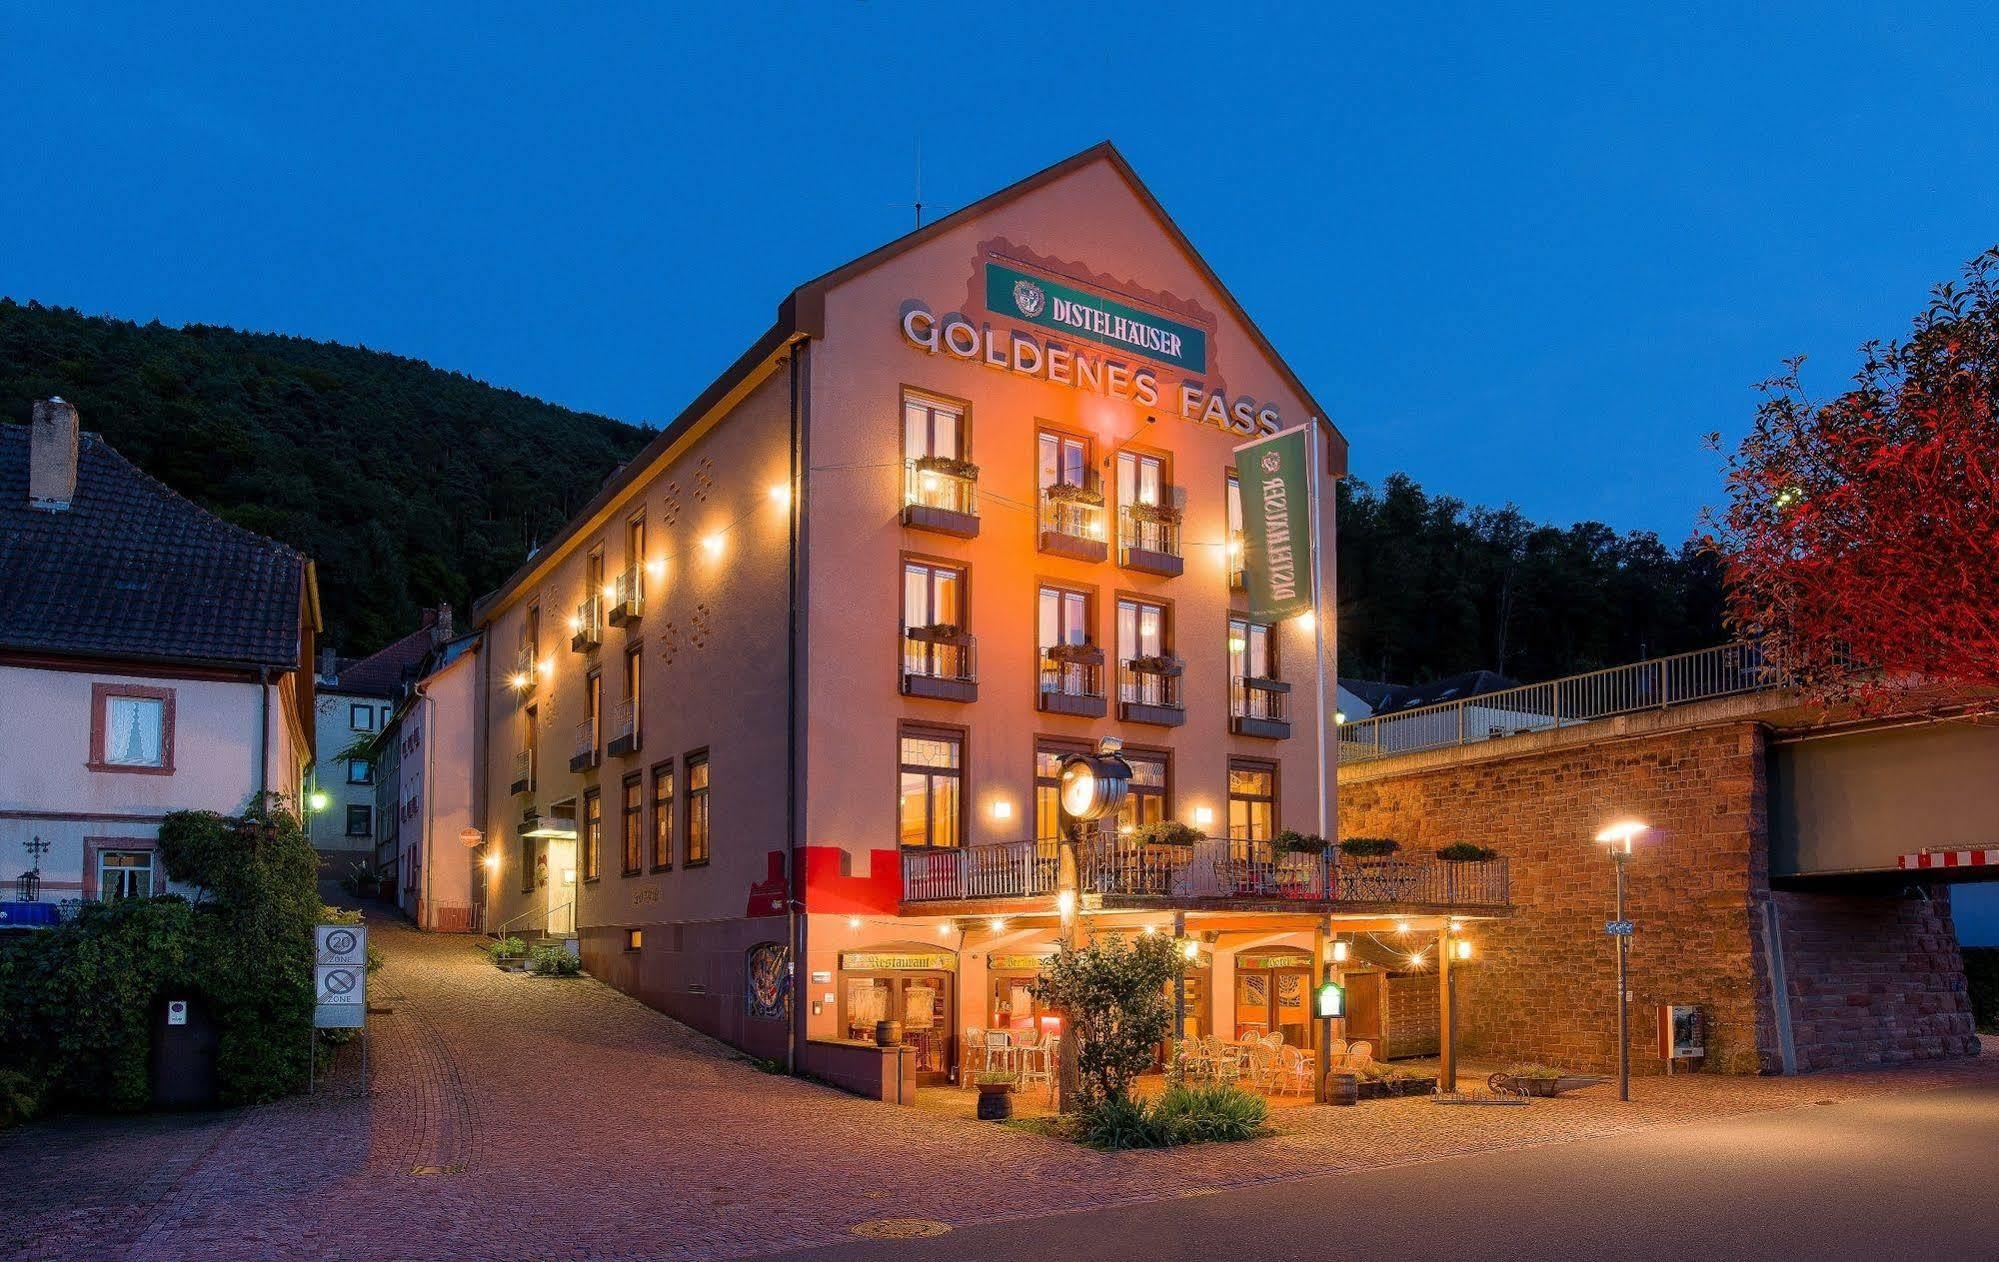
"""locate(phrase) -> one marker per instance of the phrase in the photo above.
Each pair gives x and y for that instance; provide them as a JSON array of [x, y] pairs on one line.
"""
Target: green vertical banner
[[1274, 475]]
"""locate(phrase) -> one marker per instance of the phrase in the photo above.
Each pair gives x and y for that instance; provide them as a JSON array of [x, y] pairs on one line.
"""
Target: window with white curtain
[[135, 731]]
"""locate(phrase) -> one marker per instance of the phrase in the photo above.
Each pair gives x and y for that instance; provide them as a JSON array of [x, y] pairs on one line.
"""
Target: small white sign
[[176, 1012], [343, 944]]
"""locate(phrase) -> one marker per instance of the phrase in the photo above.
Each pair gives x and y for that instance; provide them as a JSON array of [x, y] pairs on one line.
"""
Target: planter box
[[942, 521], [1145, 560], [1078, 704], [1155, 715], [1075, 547], [940, 688]]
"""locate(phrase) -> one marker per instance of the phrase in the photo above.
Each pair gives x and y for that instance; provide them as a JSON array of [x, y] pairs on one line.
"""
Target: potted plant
[[1075, 654], [949, 466], [1291, 841], [937, 633], [508, 952], [1166, 514], [1156, 664], [1370, 847], [1169, 832], [1466, 852], [1070, 493], [995, 1094]]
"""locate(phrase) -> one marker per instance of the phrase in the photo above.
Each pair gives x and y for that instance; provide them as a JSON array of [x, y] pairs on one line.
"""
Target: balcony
[[1148, 539], [1149, 691], [1072, 521], [527, 672], [624, 729], [586, 755], [1072, 681], [1125, 872], [628, 598], [941, 494], [940, 662], [586, 629], [1260, 707], [523, 781], [1238, 580]]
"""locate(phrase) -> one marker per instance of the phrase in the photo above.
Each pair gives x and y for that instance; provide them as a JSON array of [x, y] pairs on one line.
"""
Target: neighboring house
[[1400, 717], [153, 658], [356, 697], [424, 831]]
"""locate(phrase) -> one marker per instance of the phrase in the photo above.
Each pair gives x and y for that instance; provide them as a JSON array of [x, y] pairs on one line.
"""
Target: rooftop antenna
[[919, 180]]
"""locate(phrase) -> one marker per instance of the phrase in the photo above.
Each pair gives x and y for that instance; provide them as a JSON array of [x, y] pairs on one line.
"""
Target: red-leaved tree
[[1861, 537]]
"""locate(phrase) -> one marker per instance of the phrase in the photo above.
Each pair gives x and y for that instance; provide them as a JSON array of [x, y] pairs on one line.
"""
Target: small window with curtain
[[132, 729], [592, 842], [632, 822], [662, 817], [1252, 803], [932, 794], [698, 821]]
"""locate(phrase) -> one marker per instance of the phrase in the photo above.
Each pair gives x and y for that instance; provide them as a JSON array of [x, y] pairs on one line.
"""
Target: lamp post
[[1618, 837], [1093, 786]]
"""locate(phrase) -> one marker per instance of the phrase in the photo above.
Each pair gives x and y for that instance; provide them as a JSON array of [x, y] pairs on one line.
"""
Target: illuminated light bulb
[[547, 666], [1065, 902], [1457, 927], [1339, 716], [1127, 830], [1415, 959], [575, 624], [610, 591], [997, 924], [1306, 621], [1204, 815], [780, 494], [656, 569], [713, 543], [1401, 926], [944, 930], [1003, 809], [853, 922], [1235, 547], [520, 679], [319, 801], [1149, 931], [1190, 948], [929, 480], [492, 863], [1463, 950], [1237, 644], [1340, 950]]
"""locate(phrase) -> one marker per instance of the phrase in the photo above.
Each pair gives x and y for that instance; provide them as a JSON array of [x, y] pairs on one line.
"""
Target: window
[[933, 596], [1235, 530], [931, 427], [1064, 460], [932, 797], [1145, 802], [532, 857], [1252, 800], [360, 821], [1141, 478], [361, 718], [1064, 616], [662, 817], [634, 822], [628, 709], [635, 939], [132, 729], [124, 874], [592, 834], [635, 556], [1141, 629], [360, 771], [1049, 821], [697, 807], [531, 635], [530, 746], [1252, 650], [590, 733]]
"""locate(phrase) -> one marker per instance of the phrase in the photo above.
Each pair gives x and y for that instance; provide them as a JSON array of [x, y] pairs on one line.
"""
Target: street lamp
[[1618, 837]]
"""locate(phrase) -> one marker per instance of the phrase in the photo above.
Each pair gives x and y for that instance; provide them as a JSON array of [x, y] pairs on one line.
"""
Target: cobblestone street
[[511, 1117]]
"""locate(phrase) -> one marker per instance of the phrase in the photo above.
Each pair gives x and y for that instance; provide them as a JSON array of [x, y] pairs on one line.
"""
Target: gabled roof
[[803, 314], [132, 570], [380, 673]]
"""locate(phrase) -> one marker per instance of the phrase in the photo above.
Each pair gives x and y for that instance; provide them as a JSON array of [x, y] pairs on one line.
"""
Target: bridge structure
[[1794, 886]]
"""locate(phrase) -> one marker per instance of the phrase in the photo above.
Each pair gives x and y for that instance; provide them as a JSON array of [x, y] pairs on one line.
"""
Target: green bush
[[506, 948], [20, 1097], [1466, 852], [1123, 1122], [1370, 847], [553, 961], [77, 1001], [1215, 1112], [1113, 993]]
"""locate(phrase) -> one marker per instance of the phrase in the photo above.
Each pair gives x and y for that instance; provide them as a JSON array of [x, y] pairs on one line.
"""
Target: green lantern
[[1330, 1000]]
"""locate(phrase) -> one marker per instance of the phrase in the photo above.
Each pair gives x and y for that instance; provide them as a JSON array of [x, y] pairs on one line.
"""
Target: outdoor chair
[[999, 1051], [1293, 1071], [1360, 1054]]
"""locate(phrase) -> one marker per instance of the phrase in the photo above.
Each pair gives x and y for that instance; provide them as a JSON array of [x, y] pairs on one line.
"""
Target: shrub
[[1466, 852], [553, 961], [1124, 1122], [992, 1078], [506, 948], [1370, 847], [1216, 1112], [20, 1097], [1114, 995], [1533, 1069], [949, 465], [1169, 832], [1300, 843]]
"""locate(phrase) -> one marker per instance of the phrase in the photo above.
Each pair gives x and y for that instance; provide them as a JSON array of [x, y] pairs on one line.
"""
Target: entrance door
[[1272, 995], [920, 1000], [1364, 995], [561, 920]]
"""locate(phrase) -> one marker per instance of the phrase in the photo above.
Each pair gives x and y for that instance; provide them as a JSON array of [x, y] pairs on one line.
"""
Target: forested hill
[[411, 485], [1429, 587], [407, 484]]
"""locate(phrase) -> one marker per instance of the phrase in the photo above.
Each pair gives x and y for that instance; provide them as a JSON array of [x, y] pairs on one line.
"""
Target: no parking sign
[[340, 978]]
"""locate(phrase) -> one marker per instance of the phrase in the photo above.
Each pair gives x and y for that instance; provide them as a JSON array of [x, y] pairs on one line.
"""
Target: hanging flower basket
[[1168, 667], [949, 466], [1165, 514], [1070, 493], [1075, 654]]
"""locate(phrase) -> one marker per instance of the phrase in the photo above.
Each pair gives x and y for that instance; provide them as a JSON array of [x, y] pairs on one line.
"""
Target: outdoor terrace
[[1214, 873]]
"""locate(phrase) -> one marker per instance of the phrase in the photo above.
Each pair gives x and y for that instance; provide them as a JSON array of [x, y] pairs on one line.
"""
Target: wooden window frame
[[934, 399], [590, 835], [661, 771], [1229, 798], [632, 822], [100, 699], [369, 831], [689, 761], [1169, 630], [93, 851], [962, 738]]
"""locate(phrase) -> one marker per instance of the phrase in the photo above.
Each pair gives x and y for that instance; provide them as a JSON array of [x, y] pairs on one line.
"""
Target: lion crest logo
[[1271, 462], [1028, 298]]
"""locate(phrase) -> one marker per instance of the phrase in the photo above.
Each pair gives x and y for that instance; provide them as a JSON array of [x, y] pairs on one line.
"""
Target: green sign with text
[[1274, 477], [1094, 318]]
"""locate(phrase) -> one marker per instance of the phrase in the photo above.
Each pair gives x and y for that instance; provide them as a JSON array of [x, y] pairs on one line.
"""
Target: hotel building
[[796, 684]]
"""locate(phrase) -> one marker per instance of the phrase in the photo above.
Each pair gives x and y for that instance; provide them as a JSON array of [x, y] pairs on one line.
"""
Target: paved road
[[1877, 1180]]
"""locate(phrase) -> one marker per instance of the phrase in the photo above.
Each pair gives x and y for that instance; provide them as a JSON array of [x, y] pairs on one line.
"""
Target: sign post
[[1329, 1003], [340, 984]]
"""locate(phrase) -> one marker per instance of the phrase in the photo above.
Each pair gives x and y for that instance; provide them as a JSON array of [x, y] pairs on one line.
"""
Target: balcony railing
[[624, 728], [926, 485], [628, 598], [1073, 521], [1148, 540], [1149, 691], [1212, 870], [940, 664], [1072, 685], [586, 629], [1259, 707], [523, 781], [586, 746], [527, 670], [1702, 675]]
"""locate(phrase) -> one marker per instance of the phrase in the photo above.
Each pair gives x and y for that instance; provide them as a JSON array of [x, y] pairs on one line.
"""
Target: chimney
[[52, 455], [441, 631], [329, 665]]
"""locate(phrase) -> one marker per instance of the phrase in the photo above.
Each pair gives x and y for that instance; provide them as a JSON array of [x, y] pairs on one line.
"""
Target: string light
[[780, 494], [944, 930], [713, 545], [997, 924], [853, 922]]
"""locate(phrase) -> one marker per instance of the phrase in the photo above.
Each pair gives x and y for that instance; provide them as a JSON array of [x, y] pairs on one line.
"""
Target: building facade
[[773, 726], [425, 819], [153, 658]]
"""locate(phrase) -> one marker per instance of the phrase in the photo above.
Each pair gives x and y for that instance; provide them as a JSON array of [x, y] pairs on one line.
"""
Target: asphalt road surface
[[1891, 1177]]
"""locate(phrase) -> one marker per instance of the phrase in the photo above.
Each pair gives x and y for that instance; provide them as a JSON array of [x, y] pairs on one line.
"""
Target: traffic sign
[[340, 977], [1618, 928]]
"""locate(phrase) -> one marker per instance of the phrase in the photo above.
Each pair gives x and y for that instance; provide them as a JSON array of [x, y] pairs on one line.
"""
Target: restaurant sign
[[1279, 568], [1094, 318], [1017, 963], [896, 961]]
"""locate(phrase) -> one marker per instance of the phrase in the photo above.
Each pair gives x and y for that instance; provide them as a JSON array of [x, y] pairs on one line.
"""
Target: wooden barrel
[[1342, 1088], [995, 1105], [888, 1033]]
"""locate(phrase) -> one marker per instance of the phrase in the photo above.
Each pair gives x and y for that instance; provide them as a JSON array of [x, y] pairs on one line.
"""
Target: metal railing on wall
[[1703, 675]]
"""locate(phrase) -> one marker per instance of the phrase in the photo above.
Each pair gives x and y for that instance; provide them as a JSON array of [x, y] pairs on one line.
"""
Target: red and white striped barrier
[[1949, 859]]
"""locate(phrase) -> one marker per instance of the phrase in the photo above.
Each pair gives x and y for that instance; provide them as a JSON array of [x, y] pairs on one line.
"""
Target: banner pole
[[1318, 615]]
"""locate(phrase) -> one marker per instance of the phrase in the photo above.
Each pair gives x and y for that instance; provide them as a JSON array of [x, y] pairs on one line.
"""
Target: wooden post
[[1322, 969], [1447, 1002], [1180, 987]]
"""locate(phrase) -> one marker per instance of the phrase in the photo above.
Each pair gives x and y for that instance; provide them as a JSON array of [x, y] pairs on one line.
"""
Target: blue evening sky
[[1528, 256]]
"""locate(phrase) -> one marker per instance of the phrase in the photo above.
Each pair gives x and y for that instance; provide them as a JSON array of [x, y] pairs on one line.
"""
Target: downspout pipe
[[263, 733], [801, 385]]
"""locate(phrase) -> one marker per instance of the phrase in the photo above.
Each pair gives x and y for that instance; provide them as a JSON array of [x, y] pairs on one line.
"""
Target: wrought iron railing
[[1071, 678], [952, 658], [524, 770], [628, 593], [1138, 528], [527, 671], [625, 719], [586, 629], [1209, 870], [1703, 675], [936, 488], [1063, 515], [1137, 686], [1251, 697], [586, 740]]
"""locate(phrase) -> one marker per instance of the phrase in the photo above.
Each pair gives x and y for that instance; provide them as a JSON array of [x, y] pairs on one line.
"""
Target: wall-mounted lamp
[[1204, 815]]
